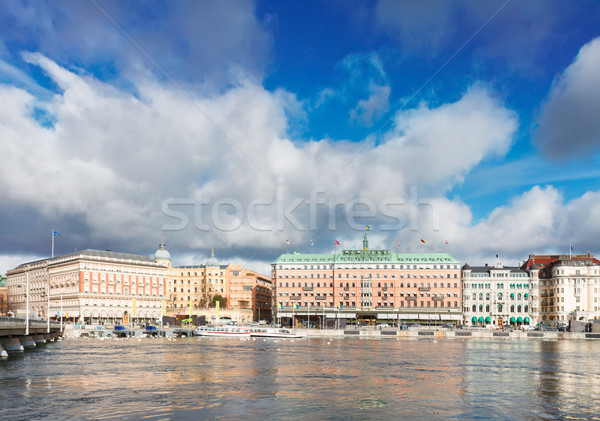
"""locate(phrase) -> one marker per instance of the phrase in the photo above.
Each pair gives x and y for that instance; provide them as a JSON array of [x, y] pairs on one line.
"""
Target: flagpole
[[52, 242]]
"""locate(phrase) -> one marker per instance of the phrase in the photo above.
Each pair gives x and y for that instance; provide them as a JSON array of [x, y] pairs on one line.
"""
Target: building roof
[[545, 260], [106, 254], [2, 281], [367, 256]]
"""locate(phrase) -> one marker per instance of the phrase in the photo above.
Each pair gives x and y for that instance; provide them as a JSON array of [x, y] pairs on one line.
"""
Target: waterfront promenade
[[424, 332]]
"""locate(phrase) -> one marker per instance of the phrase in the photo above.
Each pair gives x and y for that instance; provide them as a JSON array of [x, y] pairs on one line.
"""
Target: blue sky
[[117, 118]]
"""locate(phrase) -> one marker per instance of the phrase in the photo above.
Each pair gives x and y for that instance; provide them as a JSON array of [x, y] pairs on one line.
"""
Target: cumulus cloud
[[222, 171], [569, 124], [111, 161]]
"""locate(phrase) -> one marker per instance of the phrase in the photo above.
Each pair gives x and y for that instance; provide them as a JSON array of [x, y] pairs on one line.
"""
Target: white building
[[90, 286], [568, 287], [500, 295]]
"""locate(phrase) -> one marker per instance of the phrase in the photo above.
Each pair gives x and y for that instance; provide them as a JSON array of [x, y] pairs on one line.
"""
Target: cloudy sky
[[240, 125]]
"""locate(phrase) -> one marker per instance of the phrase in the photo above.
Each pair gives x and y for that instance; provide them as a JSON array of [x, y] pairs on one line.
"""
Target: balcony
[[411, 298], [424, 288], [318, 297], [346, 288], [295, 297], [384, 288], [437, 298], [307, 288]]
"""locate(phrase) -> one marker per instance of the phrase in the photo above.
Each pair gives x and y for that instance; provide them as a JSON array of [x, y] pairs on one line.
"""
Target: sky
[[464, 127]]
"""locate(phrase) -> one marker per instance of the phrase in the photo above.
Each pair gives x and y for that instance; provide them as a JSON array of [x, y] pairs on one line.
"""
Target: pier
[[16, 335]]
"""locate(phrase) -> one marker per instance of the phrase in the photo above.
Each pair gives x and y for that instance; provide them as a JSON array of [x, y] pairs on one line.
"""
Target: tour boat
[[222, 331], [274, 332]]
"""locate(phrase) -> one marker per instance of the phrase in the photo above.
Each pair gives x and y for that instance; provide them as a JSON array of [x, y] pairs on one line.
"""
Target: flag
[[422, 241], [571, 247], [446, 241], [497, 256], [368, 228], [398, 243], [288, 242], [337, 243], [311, 243], [280, 305], [55, 233]]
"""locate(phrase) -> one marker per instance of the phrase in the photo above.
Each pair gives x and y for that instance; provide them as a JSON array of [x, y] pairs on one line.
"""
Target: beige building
[[569, 287], [90, 286], [192, 289]]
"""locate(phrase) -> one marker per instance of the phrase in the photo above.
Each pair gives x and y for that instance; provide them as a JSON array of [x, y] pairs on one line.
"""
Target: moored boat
[[222, 331], [275, 332]]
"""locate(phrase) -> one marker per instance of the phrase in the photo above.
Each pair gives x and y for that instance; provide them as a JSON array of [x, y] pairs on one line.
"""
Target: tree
[[222, 301]]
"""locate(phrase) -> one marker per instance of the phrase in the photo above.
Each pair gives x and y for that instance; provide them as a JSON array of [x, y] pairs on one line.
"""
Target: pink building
[[367, 286]]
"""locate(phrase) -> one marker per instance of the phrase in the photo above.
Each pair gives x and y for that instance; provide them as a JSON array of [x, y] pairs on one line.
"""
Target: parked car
[[415, 326], [382, 325], [448, 326]]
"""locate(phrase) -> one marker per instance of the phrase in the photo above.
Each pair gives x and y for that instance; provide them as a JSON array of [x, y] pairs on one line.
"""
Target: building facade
[[89, 286], [500, 296], [192, 289], [569, 287], [367, 286]]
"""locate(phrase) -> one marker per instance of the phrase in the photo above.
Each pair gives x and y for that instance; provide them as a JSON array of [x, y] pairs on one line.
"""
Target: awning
[[474, 319], [488, 319], [526, 320], [481, 319], [512, 319], [512, 295], [519, 320], [526, 295]]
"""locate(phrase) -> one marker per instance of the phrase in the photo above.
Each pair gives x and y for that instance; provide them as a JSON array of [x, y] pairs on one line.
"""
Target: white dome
[[162, 253], [212, 260]]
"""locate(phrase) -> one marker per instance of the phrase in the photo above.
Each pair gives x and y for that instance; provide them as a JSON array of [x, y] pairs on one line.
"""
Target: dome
[[466, 267], [162, 253], [212, 260]]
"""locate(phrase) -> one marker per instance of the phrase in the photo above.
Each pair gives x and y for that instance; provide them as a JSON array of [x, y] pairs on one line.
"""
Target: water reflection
[[318, 378]]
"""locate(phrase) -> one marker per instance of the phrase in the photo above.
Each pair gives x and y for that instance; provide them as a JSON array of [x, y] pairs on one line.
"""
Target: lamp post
[[27, 301]]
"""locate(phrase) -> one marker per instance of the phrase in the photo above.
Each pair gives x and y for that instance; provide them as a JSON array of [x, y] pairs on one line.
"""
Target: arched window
[[519, 296], [481, 296], [487, 308], [499, 308], [480, 308], [487, 296], [474, 296], [518, 308], [526, 308], [512, 308], [499, 295], [474, 308]]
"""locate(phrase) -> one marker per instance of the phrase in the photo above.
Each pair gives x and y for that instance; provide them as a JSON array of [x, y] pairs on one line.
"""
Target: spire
[[365, 242]]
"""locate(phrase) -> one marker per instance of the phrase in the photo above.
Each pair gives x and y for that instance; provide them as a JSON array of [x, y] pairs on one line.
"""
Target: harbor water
[[318, 378]]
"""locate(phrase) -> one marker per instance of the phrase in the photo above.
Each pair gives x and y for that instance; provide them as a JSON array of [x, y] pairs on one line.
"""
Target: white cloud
[[569, 124], [112, 159]]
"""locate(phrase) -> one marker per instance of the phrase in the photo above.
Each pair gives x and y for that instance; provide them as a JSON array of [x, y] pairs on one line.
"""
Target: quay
[[423, 332], [16, 335]]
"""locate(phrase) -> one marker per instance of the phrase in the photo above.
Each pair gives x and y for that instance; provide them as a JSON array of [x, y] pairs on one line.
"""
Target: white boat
[[222, 331], [274, 332]]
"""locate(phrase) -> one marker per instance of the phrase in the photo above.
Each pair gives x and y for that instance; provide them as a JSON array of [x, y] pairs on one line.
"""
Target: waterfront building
[[568, 287], [90, 286], [192, 289], [367, 286], [500, 295]]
